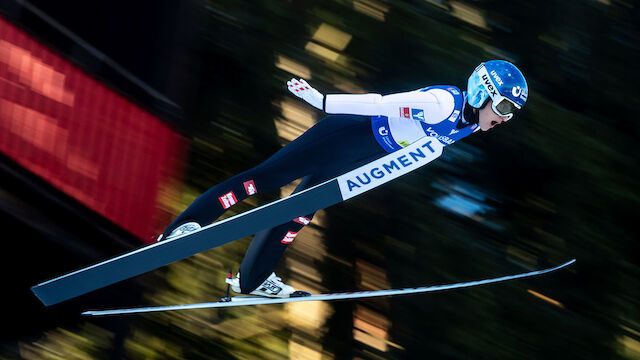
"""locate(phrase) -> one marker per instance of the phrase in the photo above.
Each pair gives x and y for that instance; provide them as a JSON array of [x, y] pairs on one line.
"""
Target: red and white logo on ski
[[288, 239], [405, 112], [250, 187], [227, 200], [302, 220]]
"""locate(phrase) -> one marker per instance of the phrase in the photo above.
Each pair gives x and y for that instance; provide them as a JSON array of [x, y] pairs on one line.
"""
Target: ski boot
[[181, 230], [271, 287]]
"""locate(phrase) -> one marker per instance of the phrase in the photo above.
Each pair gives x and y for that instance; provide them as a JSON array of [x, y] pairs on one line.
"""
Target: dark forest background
[[559, 181]]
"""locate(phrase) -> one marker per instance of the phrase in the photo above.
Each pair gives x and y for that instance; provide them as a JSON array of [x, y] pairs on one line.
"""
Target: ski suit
[[370, 125]]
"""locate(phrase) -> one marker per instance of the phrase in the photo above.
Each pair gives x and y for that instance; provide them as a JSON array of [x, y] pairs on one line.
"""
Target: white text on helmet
[[517, 91], [496, 77]]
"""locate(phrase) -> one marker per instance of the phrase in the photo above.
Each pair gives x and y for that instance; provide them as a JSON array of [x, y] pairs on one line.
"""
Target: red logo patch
[[302, 220], [405, 112], [250, 187], [227, 200], [288, 239]]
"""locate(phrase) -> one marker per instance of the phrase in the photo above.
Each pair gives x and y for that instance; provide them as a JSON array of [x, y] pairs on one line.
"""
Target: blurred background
[[115, 115]]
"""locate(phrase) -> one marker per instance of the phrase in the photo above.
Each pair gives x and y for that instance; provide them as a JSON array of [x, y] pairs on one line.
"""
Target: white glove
[[301, 89]]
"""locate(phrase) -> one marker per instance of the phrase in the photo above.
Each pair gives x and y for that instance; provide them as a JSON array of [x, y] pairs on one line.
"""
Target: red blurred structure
[[82, 137]]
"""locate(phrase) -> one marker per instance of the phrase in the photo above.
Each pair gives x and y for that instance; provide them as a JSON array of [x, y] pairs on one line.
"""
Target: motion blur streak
[[546, 298], [81, 136]]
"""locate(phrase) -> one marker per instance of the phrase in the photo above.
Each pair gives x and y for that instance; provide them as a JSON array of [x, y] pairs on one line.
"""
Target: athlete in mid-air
[[368, 127]]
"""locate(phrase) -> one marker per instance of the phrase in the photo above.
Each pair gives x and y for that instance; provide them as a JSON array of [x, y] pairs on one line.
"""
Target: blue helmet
[[502, 82]]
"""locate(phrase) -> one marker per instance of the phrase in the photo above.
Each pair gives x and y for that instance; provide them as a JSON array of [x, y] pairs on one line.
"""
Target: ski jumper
[[372, 125]]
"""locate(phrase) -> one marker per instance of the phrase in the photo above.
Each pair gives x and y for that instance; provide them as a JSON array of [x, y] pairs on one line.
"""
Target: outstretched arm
[[366, 104], [376, 104]]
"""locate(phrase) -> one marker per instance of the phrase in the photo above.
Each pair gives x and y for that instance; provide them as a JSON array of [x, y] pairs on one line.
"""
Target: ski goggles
[[503, 106]]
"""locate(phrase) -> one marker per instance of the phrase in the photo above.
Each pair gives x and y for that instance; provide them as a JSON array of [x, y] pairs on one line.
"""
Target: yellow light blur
[[371, 8], [322, 51], [468, 14], [303, 352], [293, 67], [371, 328], [332, 37], [296, 119]]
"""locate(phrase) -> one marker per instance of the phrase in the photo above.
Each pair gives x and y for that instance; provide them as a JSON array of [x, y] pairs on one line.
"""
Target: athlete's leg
[[268, 246], [303, 156]]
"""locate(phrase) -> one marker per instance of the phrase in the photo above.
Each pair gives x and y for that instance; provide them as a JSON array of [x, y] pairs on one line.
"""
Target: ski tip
[[568, 263], [561, 266]]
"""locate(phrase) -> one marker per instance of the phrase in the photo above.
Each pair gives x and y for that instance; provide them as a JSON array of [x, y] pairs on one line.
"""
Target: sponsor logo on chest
[[454, 116], [445, 139], [453, 90], [417, 114]]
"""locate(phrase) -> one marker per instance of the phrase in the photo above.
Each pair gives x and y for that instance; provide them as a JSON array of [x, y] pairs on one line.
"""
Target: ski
[[323, 195], [255, 300]]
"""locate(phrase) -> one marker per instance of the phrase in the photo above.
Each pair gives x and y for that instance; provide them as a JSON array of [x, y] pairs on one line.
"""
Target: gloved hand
[[303, 90]]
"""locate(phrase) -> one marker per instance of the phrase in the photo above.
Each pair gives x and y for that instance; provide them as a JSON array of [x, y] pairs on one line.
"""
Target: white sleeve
[[392, 105]]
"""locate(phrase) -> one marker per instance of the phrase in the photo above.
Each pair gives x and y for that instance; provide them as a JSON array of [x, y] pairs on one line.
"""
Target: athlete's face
[[488, 119]]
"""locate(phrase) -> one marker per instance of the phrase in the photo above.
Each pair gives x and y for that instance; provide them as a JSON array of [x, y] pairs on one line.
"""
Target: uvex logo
[[489, 85], [496, 77]]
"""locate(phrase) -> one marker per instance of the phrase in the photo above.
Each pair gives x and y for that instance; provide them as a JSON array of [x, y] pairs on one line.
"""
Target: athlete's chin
[[484, 125]]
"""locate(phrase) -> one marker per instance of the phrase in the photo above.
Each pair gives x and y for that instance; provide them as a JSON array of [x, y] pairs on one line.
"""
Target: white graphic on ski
[[252, 300]]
